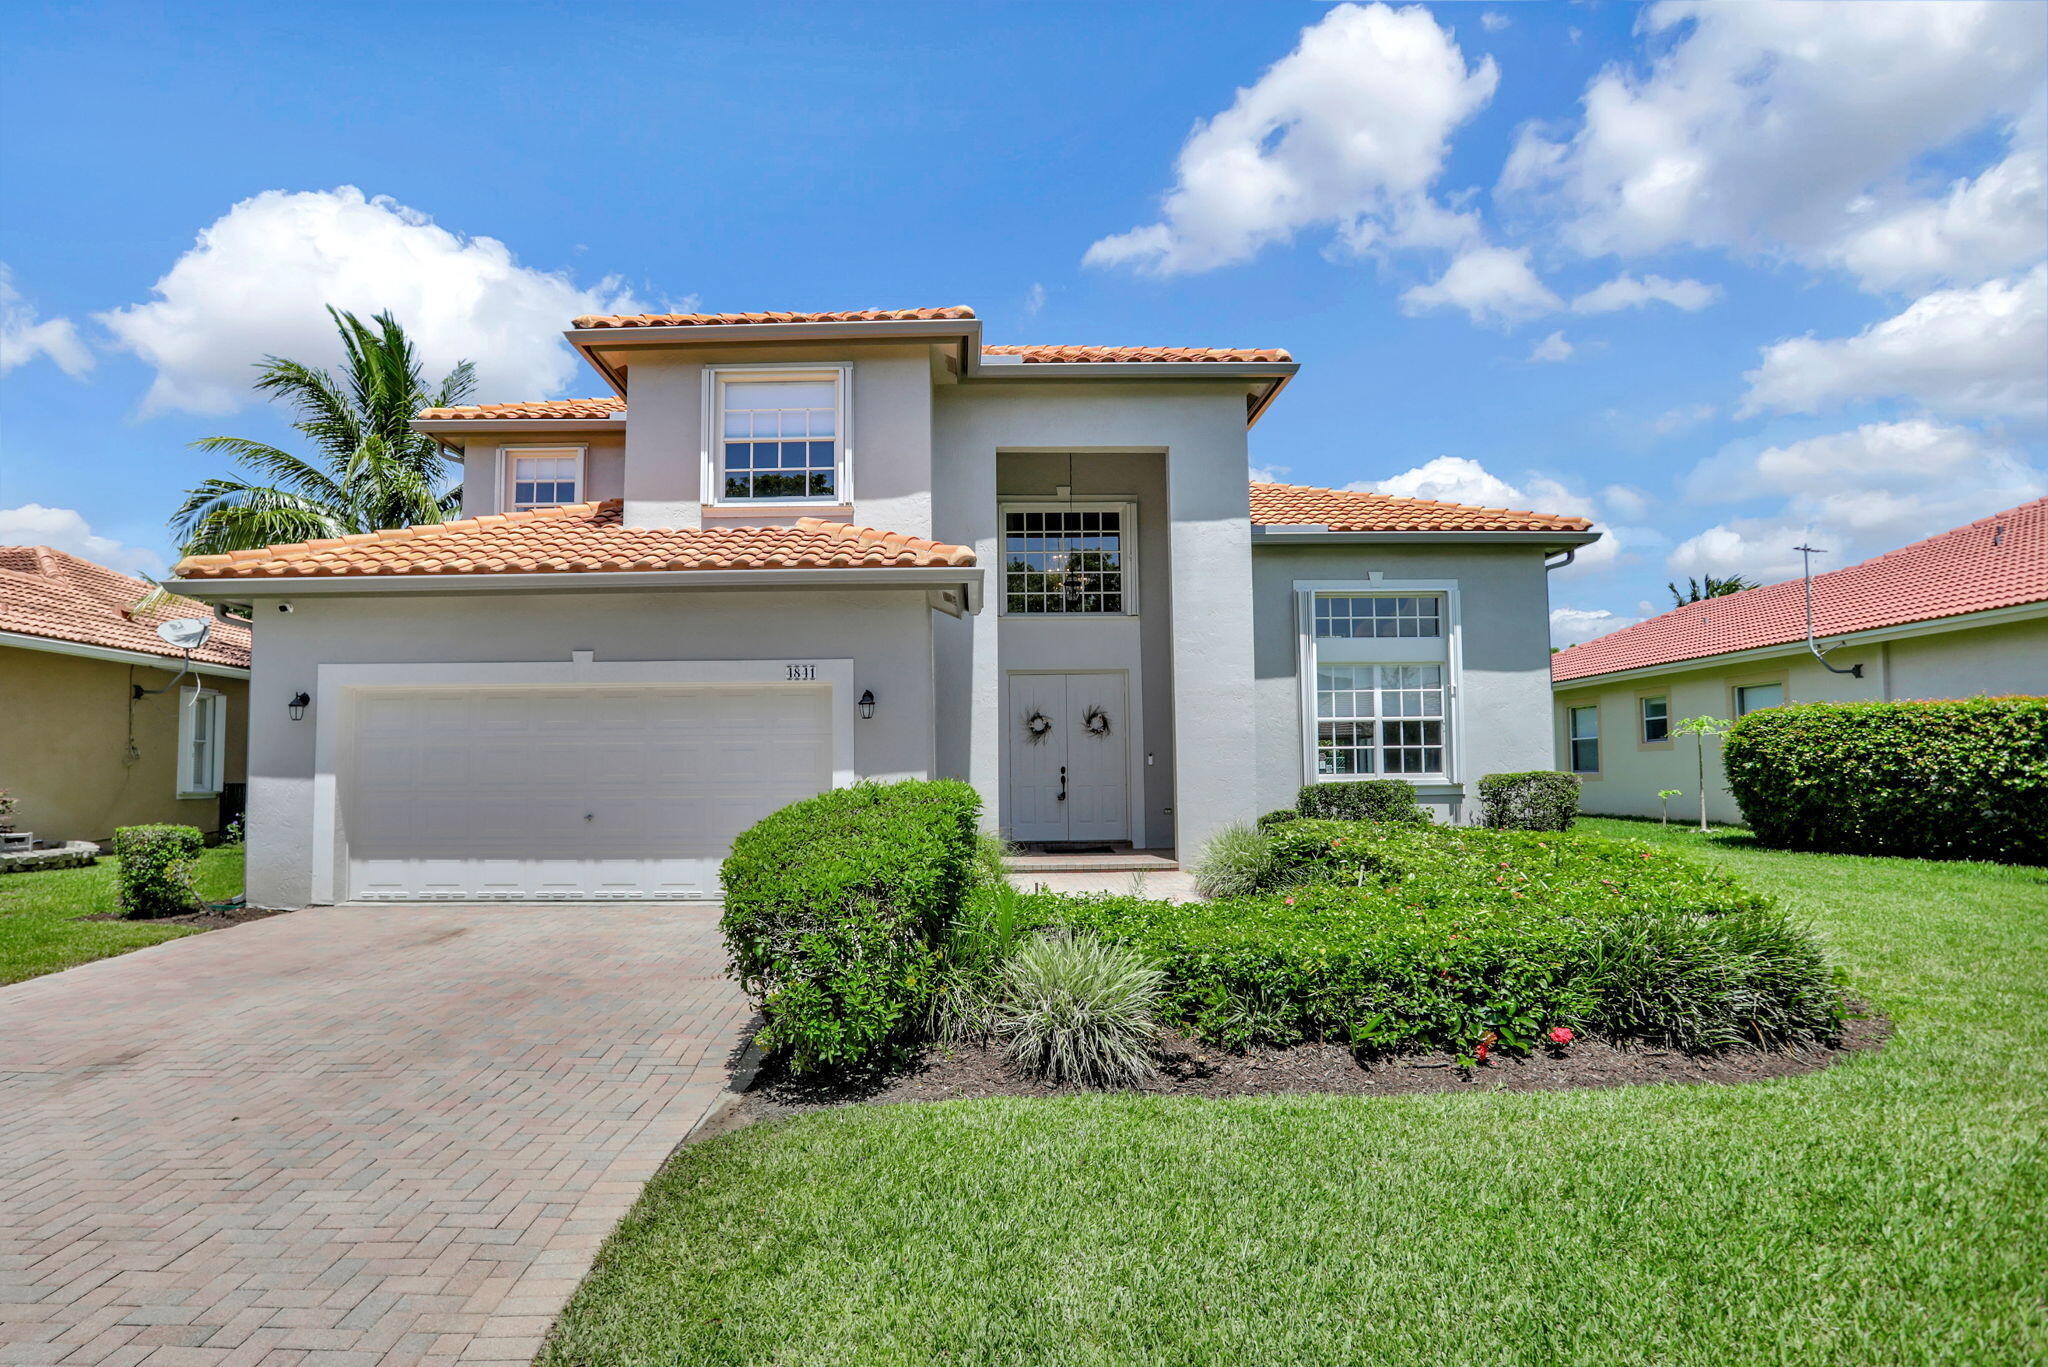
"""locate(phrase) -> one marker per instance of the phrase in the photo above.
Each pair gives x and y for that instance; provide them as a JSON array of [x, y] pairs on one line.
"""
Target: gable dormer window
[[541, 476], [779, 435]]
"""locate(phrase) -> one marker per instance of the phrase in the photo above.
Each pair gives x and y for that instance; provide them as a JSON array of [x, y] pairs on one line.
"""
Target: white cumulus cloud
[[1979, 352], [1575, 626], [256, 281], [1493, 21], [23, 336], [66, 529], [1627, 292], [1493, 285], [1552, 348], [1347, 132], [1460, 479]]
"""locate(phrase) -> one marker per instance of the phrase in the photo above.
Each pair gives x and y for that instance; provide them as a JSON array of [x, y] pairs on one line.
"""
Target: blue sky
[[1719, 278]]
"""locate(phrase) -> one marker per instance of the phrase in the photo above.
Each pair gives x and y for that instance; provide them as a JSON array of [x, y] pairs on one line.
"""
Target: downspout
[[1571, 553]]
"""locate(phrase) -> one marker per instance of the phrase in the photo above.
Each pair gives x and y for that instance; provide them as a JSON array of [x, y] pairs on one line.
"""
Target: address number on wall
[[800, 673]]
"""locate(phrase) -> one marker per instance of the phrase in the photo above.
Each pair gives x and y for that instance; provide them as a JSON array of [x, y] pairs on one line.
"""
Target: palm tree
[[372, 470], [1695, 592]]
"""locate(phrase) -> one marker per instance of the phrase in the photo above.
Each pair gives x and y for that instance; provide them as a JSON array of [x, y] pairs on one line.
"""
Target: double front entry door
[[1069, 752]]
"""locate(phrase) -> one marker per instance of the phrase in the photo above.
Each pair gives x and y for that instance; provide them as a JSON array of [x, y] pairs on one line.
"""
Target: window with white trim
[[1656, 713], [1754, 697], [780, 436], [1582, 726], [536, 478], [202, 742], [1067, 558], [1379, 616], [1379, 719]]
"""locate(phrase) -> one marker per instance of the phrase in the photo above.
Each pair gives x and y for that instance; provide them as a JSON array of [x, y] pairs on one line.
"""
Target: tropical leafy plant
[[1714, 587], [370, 471], [1699, 728], [1664, 795]]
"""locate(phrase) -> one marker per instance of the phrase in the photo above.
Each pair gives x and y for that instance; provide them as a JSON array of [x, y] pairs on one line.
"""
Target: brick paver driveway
[[345, 1136]]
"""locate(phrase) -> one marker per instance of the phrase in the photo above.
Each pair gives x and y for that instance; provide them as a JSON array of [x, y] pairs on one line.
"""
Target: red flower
[[1560, 1035], [1479, 1050]]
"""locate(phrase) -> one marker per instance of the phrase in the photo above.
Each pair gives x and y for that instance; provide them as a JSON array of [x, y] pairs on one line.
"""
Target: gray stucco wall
[[886, 633], [483, 487], [1503, 706]]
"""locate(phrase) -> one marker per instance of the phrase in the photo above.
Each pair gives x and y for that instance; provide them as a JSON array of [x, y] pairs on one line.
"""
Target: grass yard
[[1891, 1210], [39, 927]]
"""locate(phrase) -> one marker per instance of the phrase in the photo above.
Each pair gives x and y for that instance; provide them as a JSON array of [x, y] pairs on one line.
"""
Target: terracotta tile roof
[[686, 320], [1049, 355], [575, 539], [543, 408], [1348, 510], [44, 592], [1999, 561]]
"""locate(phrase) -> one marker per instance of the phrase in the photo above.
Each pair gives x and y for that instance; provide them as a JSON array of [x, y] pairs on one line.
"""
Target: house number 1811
[[801, 673]]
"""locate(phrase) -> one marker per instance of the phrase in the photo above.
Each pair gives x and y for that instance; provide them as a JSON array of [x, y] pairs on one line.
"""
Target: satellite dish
[[186, 633]]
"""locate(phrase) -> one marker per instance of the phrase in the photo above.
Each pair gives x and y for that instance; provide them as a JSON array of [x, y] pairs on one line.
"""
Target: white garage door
[[635, 793]]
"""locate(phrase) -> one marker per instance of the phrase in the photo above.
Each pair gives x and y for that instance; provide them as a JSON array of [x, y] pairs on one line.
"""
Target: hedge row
[[1944, 780], [834, 909]]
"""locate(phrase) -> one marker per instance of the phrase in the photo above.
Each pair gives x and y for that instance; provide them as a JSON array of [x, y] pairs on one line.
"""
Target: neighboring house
[[80, 751], [1958, 615], [834, 546]]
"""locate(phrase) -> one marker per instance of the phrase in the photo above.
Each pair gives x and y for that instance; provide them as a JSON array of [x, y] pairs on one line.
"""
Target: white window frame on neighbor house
[[1572, 738], [1643, 741], [717, 377], [1445, 650], [1127, 548], [1736, 690], [202, 721], [508, 470]]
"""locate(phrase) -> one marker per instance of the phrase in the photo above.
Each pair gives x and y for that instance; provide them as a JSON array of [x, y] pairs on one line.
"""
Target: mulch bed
[[1191, 1068], [204, 920]]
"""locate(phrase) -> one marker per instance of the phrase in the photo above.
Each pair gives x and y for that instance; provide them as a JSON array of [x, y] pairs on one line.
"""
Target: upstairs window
[[1067, 558], [780, 437], [1355, 616], [542, 478]]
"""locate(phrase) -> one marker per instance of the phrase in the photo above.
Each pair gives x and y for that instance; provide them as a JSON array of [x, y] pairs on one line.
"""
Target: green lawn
[[1890, 1210], [39, 927]]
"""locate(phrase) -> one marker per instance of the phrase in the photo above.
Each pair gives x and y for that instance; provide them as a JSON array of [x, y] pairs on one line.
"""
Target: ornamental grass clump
[[1069, 1008], [1237, 860]]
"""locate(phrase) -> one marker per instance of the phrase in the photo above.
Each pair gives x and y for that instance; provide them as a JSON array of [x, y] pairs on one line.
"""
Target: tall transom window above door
[[780, 436], [1379, 674], [1070, 558]]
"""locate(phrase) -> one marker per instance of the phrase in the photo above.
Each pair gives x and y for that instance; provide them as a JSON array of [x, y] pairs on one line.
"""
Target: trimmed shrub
[[1940, 780], [1537, 800], [1281, 817], [1365, 799], [155, 873], [1237, 860], [834, 912], [1073, 1009], [1446, 935]]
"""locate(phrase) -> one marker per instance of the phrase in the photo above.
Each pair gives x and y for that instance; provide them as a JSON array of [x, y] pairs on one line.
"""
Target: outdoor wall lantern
[[298, 705], [867, 705]]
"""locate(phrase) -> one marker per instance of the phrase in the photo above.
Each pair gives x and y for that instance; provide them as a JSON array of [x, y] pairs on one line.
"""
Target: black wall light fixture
[[298, 705], [867, 705]]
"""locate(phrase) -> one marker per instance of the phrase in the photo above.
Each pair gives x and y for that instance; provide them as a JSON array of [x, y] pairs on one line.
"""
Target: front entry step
[[1124, 860]]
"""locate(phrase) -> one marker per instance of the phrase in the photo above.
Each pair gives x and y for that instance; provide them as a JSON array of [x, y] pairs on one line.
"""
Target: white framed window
[[1582, 727], [778, 434], [202, 742], [1656, 718], [1754, 697], [1376, 720], [1069, 558], [539, 476], [1379, 666]]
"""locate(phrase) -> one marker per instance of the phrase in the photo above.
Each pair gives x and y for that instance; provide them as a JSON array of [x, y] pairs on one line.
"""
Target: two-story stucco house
[[793, 550]]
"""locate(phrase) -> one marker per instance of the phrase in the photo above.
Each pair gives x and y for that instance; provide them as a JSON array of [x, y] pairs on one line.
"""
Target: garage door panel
[[508, 793]]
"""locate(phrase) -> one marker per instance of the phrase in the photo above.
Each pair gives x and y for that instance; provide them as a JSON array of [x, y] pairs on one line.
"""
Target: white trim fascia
[[1990, 617], [993, 369], [709, 471], [968, 577], [729, 334], [116, 655], [503, 505], [1126, 506], [336, 684], [1308, 535], [1305, 591]]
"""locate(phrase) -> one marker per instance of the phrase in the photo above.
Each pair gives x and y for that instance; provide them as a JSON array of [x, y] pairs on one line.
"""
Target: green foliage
[[1943, 780], [1272, 819], [835, 909], [1538, 800], [1715, 587], [1365, 799], [155, 874], [372, 470], [1070, 1008], [1435, 936], [1237, 860]]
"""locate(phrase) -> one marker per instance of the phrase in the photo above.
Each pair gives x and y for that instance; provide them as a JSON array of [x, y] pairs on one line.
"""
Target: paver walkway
[[347, 1136]]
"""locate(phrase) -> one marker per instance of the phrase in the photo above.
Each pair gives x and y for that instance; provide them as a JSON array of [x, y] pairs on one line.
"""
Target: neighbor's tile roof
[[1047, 355], [578, 538], [44, 592], [1350, 510], [543, 408], [685, 320], [1999, 561]]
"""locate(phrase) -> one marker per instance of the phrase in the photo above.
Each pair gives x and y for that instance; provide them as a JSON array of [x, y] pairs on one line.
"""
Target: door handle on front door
[[1063, 783]]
